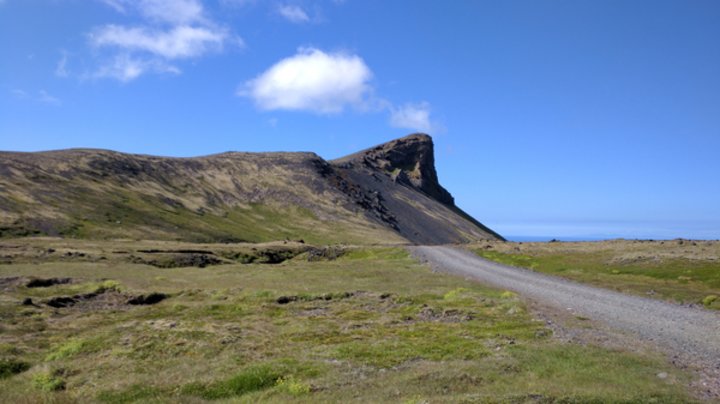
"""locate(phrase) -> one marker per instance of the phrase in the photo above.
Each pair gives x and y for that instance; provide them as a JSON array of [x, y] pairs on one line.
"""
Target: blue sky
[[567, 119]]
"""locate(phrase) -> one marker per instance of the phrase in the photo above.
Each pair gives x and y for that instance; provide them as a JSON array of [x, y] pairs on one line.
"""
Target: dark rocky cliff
[[409, 160], [410, 163]]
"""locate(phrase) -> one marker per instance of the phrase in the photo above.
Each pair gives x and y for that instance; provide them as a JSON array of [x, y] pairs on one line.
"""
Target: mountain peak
[[410, 161]]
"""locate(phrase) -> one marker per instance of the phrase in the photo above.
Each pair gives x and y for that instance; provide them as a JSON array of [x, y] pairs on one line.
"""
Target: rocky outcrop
[[401, 175], [409, 161]]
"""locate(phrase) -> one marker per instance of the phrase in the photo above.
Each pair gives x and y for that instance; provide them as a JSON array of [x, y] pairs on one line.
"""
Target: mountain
[[386, 194]]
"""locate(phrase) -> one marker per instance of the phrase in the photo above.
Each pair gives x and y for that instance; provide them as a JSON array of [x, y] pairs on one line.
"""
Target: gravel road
[[693, 333]]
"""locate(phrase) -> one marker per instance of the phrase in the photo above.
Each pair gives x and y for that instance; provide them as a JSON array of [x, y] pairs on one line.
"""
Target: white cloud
[[411, 116], [327, 83], [311, 80], [176, 43], [125, 68], [293, 13], [61, 68], [173, 30]]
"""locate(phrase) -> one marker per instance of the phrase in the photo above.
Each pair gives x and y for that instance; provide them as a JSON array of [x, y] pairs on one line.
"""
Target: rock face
[[389, 193], [402, 173], [409, 160]]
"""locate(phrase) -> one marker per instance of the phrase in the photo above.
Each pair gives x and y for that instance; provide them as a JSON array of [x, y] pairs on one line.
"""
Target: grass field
[[682, 271], [370, 326]]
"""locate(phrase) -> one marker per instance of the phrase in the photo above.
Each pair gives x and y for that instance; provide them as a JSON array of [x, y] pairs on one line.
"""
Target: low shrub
[[251, 379], [11, 367], [48, 381], [292, 386], [708, 300]]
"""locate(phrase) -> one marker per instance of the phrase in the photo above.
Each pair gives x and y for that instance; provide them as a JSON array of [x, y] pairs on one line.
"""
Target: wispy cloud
[[174, 30], [311, 80], [41, 96], [126, 68], [237, 3], [293, 13], [118, 5], [177, 43], [46, 98], [61, 67], [168, 11], [411, 116], [18, 92]]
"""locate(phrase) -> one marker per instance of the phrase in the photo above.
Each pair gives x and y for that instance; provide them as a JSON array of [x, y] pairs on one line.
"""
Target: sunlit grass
[[373, 325]]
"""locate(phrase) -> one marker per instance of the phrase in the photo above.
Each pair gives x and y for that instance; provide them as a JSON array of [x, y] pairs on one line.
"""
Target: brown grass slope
[[233, 197]]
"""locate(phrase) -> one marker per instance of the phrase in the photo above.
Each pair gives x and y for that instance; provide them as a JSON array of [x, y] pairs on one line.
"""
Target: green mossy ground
[[371, 326]]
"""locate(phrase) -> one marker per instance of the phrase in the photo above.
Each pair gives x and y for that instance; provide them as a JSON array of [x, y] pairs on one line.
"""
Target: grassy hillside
[[229, 197], [325, 325]]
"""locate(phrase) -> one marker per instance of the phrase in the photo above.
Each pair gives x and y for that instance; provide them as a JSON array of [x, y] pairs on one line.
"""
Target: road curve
[[687, 331]]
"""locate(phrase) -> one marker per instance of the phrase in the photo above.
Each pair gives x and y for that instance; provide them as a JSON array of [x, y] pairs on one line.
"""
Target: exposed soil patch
[[47, 282], [265, 256], [149, 299], [66, 301], [445, 316], [11, 282], [310, 298], [181, 251], [325, 253], [104, 299], [179, 260]]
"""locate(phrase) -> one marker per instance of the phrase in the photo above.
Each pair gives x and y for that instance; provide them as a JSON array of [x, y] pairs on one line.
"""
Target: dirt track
[[691, 333]]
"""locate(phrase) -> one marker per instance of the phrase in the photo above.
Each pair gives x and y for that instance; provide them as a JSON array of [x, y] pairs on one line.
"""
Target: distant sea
[[529, 239]]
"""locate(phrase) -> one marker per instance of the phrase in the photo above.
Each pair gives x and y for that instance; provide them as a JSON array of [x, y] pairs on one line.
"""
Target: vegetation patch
[[67, 350], [252, 379], [293, 386], [48, 381], [11, 367], [380, 253], [515, 260], [133, 394]]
